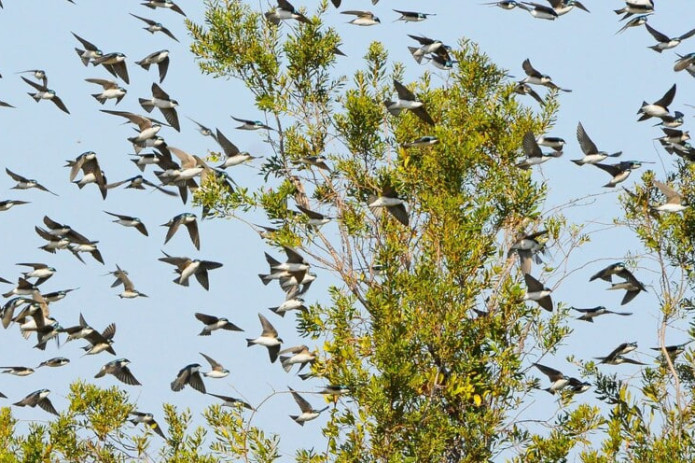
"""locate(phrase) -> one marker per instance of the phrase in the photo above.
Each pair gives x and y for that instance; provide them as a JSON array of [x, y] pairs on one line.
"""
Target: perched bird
[[128, 221], [616, 356], [187, 219], [268, 338], [216, 368], [148, 420], [308, 412], [389, 199], [232, 402], [664, 41], [160, 99], [213, 323], [659, 108], [285, 11], [111, 90], [164, 4], [364, 18], [535, 77], [39, 398], [187, 267], [558, 381], [90, 53], [160, 58], [674, 199], [154, 26], [190, 374], [534, 155], [44, 93], [591, 153], [537, 291], [407, 100], [589, 314], [248, 124], [620, 171], [412, 16], [119, 369]]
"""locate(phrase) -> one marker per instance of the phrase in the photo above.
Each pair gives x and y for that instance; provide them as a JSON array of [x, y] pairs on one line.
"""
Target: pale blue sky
[[609, 74]]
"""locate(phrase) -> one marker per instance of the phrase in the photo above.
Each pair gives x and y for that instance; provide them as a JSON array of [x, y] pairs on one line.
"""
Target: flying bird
[[268, 338], [111, 90], [213, 323], [128, 221], [24, 183], [188, 220], [44, 93], [160, 99], [154, 26], [591, 153], [285, 11], [160, 58], [537, 291], [39, 398], [659, 108], [189, 375], [187, 267], [164, 4], [308, 412], [407, 100], [558, 380], [148, 420], [119, 369]]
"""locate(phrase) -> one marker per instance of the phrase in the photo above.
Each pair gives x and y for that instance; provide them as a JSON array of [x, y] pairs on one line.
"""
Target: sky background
[[610, 75]]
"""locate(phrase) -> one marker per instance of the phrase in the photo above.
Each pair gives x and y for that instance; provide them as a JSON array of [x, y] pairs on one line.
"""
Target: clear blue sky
[[609, 74]]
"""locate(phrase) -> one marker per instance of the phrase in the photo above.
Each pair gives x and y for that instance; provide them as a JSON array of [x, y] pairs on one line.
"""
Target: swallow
[[335, 390], [539, 11], [190, 374], [558, 380], [308, 412], [407, 100], [616, 356], [90, 53], [24, 183], [39, 74], [291, 303], [300, 355], [394, 205], [363, 18], [55, 296], [268, 338], [591, 153], [165, 4], [39, 398], [505, 4], [80, 331], [18, 371], [232, 155], [41, 271], [525, 89], [674, 199], [606, 274], [100, 342], [232, 402], [187, 267], [565, 6], [148, 420], [23, 288], [427, 46], [537, 291], [88, 163], [148, 127], [5, 104], [631, 285], [634, 22], [160, 58], [128, 221], [589, 314], [216, 369], [213, 323], [160, 99], [111, 90], [672, 121], [191, 166], [659, 108], [412, 16], [527, 247], [119, 369], [534, 155], [422, 141], [672, 351], [248, 124], [285, 11], [187, 219], [114, 63], [204, 131], [154, 26], [620, 171], [556, 143], [296, 266], [129, 291], [315, 219], [664, 41], [137, 182], [54, 362], [44, 93], [535, 77], [636, 7]]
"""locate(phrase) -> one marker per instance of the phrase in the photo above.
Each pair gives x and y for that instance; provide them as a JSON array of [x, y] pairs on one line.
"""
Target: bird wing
[[587, 146], [667, 99]]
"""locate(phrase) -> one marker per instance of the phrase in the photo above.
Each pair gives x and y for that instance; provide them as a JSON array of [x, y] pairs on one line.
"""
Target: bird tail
[[264, 278], [84, 60], [249, 342], [578, 162], [99, 98], [275, 311], [144, 65], [295, 418], [146, 104], [35, 96], [285, 363], [140, 166]]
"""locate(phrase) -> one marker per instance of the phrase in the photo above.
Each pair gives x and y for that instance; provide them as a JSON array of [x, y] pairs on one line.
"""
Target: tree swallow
[[190, 374], [268, 338], [160, 58], [308, 412], [537, 291], [111, 90], [216, 368], [148, 420], [213, 323], [591, 153], [619, 172], [119, 369], [589, 314], [187, 267], [558, 381], [407, 100], [659, 108], [39, 398], [44, 93], [154, 26]]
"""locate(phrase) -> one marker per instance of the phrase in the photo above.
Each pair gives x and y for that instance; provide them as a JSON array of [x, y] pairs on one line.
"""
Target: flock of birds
[[178, 173]]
